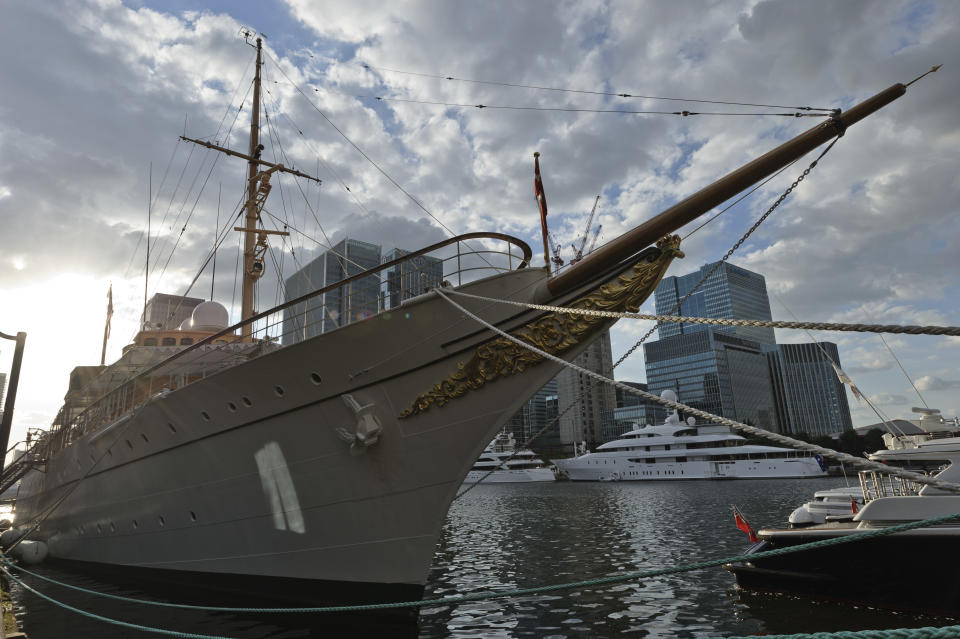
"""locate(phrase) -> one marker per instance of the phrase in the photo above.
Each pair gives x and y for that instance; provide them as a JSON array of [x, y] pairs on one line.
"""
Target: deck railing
[[145, 372]]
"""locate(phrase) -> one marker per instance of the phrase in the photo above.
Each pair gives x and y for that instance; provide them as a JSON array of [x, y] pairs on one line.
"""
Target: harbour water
[[507, 536]]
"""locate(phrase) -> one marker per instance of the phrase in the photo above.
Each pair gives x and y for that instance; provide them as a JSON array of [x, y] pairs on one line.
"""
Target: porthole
[[99, 530], [193, 516], [172, 428], [161, 521], [145, 440], [231, 407], [135, 524], [279, 390], [315, 378], [205, 415], [246, 401], [110, 452], [113, 528], [129, 445]]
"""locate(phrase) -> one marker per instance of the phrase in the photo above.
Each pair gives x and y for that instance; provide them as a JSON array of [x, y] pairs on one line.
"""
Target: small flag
[[538, 188], [819, 459], [744, 525], [853, 505], [109, 308], [846, 380]]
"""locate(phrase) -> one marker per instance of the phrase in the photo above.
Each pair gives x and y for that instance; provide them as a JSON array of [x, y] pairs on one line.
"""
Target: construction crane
[[593, 242], [578, 252], [555, 246]]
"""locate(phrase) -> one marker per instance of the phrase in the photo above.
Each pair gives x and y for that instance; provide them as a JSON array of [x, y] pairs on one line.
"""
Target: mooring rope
[[115, 622], [927, 632], [751, 430], [815, 326]]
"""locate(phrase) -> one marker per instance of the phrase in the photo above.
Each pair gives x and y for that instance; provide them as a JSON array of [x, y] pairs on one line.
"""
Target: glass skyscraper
[[741, 372], [729, 293], [340, 306], [715, 372], [410, 278], [809, 396]]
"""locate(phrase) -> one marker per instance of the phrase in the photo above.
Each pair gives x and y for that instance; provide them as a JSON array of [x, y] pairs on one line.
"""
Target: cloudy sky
[[93, 95]]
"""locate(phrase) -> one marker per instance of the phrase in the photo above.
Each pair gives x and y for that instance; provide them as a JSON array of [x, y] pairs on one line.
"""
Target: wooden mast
[[258, 187], [251, 268]]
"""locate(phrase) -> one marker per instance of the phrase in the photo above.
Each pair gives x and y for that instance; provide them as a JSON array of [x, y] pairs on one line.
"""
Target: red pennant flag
[[744, 525], [538, 189], [853, 505]]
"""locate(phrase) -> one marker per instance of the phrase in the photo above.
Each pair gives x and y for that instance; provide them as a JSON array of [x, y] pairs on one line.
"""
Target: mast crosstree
[[258, 188]]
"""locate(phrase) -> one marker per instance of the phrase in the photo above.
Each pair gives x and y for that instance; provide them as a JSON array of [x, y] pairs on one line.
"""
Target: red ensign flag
[[743, 525]]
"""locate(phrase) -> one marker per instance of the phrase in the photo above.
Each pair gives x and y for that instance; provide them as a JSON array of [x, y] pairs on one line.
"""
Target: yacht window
[[150, 341], [186, 341], [169, 341]]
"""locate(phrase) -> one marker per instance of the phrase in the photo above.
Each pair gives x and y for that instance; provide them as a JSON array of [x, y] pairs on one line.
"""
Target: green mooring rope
[[116, 622], [946, 632], [481, 596]]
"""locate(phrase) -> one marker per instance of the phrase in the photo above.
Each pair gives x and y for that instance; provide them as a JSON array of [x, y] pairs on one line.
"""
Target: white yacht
[[836, 504], [678, 450], [910, 570], [501, 463]]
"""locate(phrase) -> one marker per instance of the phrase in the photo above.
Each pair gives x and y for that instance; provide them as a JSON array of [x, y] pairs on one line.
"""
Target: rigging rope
[[713, 321], [581, 109], [689, 410], [617, 94]]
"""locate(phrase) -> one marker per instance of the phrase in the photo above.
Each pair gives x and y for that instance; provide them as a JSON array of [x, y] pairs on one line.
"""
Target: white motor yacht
[[683, 450], [501, 463]]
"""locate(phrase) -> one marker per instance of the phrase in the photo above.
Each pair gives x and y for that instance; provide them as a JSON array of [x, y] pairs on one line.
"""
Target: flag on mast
[[744, 525], [541, 196], [106, 328], [109, 307], [844, 378]]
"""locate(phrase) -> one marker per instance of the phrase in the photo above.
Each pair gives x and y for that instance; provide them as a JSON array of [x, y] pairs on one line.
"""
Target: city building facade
[[410, 278], [591, 398], [731, 292], [339, 306], [166, 312], [809, 396]]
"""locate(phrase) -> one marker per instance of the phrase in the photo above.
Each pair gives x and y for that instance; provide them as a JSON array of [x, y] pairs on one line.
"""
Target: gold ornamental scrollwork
[[554, 333]]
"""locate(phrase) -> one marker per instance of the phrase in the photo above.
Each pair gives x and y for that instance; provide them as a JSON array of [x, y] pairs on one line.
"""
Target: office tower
[[729, 293], [715, 372], [591, 398], [340, 305], [410, 278], [809, 396], [166, 312]]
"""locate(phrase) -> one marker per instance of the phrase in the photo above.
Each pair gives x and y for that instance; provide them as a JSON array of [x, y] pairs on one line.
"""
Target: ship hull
[[247, 472]]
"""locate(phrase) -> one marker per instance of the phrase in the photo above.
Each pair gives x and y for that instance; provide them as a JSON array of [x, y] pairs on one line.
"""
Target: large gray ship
[[323, 470]]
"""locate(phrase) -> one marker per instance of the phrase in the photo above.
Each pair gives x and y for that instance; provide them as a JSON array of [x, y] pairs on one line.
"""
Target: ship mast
[[252, 270], [258, 188]]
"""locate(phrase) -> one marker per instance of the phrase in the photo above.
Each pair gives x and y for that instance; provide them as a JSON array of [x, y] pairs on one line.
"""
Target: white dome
[[186, 324], [668, 395], [209, 316]]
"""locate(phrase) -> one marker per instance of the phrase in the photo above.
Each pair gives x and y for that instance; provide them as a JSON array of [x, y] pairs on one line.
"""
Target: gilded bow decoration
[[554, 333]]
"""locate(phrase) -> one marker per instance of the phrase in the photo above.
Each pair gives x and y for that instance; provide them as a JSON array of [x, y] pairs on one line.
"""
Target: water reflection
[[504, 536]]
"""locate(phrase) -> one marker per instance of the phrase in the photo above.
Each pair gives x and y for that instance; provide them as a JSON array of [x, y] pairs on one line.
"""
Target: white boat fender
[[30, 552], [800, 517], [9, 536]]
